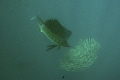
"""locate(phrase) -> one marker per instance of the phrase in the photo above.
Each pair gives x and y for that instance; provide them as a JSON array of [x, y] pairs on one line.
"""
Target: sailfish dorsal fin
[[57, 28]]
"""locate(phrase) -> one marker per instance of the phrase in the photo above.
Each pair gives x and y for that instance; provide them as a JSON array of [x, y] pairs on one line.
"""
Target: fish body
[[55, 32]]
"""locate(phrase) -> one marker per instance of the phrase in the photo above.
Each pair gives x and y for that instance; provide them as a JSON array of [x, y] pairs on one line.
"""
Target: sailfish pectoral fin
[[51, 47]]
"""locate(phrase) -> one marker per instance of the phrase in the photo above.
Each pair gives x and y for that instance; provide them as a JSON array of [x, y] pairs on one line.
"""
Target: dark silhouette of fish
[[55, 32]]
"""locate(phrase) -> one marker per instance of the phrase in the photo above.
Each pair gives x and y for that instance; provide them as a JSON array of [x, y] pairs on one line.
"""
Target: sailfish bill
[[55, 32]]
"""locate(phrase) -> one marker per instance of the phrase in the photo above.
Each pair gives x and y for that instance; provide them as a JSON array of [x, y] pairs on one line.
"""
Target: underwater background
[[22, 45]]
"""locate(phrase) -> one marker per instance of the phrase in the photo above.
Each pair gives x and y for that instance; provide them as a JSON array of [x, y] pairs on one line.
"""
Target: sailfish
[[55, 32]]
